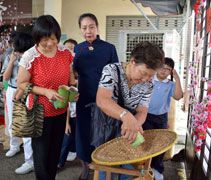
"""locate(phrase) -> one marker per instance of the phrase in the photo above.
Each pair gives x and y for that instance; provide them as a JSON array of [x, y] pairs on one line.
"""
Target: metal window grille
[[114, 24], [133, 39]]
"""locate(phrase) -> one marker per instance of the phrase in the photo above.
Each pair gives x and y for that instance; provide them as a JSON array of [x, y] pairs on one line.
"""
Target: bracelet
[[123, 113]]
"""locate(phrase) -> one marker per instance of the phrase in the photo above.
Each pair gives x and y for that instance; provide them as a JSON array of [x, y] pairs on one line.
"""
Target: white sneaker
[[158, 175], [11, 153], [24, 169], [71, 156]]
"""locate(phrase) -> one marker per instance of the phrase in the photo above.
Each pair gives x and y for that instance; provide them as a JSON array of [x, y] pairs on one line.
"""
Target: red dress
[[48, 73]]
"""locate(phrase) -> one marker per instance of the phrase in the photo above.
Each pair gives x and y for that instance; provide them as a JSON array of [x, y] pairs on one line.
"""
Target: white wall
[[54, 8], [72, 9], [37, 8]]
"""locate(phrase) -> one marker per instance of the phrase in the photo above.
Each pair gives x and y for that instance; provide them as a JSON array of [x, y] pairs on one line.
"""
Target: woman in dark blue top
[[90, 58]]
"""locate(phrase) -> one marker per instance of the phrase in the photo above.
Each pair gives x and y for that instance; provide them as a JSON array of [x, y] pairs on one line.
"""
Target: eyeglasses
[[166, 69]]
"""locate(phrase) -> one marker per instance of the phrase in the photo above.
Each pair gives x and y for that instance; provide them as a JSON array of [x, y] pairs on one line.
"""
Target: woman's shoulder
[[63, 48], [81, 44], [32, 52], [112, 66], [28, 57], [105, 43], [145, 86]]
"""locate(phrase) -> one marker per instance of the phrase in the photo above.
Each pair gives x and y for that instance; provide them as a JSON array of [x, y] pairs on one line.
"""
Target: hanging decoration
[[2, 8], [208, 30], [14, 14], [200, 111], [10, 11], [198, 12]]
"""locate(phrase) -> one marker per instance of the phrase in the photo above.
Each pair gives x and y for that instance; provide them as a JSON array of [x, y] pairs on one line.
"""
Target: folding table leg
[[96, 175]]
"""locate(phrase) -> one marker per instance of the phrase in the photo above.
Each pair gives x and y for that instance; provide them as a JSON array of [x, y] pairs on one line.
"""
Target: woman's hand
[[18, 95], [53, 95], [76, 97], [130, 127], [67, 129]]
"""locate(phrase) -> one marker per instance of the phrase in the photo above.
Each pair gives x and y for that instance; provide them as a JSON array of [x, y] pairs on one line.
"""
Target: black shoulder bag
[[104, 128]]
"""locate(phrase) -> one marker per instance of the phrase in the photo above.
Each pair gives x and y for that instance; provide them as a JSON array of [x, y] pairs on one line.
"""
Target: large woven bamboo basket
[[119, 151]]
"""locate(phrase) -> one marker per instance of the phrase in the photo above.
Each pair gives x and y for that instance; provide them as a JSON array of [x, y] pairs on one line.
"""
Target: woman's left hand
[[53, 95], [130, 127], [18, 95]]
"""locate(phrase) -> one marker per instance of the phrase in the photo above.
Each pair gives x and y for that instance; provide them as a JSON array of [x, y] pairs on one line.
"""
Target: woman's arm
[[107, 104], [141, 114], [68, 128], [72, 81], [178, 94], [7, 73], [130, 125], [24, 78]]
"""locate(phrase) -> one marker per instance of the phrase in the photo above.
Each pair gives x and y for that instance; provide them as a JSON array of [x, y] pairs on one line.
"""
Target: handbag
[[103, 127], [27, 122]]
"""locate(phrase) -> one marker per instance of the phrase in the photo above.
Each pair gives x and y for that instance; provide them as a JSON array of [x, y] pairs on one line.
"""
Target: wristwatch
[[123, 113]]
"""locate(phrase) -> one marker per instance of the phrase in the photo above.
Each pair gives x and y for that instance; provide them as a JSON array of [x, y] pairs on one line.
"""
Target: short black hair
[[22, 42], [90, 15], [45, 26], [169, 62], [70, 41], [149, 54], [11, 38]]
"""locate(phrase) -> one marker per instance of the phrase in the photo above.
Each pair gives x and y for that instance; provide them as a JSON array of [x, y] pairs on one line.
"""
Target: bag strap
[[120, 100], [27, 90]]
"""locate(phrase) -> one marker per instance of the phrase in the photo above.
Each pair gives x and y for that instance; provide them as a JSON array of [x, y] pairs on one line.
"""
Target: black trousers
[[156, 122], [47, 148]]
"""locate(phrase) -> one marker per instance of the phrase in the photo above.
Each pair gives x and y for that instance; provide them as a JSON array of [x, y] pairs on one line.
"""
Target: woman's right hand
[[130, 127], [53, 95]]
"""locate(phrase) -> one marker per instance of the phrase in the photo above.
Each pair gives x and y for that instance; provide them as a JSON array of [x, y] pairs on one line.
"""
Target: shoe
[[158, 175], [24, 169], [11, 153], [71, 156], [59, 167]]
